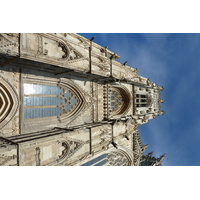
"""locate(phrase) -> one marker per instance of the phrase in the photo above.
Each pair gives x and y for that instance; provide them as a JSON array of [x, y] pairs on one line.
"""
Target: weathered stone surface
[[66, 101]]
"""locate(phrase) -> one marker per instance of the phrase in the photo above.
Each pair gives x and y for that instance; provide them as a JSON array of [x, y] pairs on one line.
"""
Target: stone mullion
[[115, 110], [52, 106], [139, 103], [41, 95], [21, 94], [90, 141]]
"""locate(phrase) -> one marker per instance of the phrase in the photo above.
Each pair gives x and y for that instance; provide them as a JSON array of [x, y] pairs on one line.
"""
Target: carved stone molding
[[130, 126], [119, 100], [6, 144], [119, 158], [104, 67], [85, 98], [15, 125], [9, 43], [48, 48], [70, 146], [4, 159], [8, 152], [74, 54], [37, 156], [84, 101], [9, 102]]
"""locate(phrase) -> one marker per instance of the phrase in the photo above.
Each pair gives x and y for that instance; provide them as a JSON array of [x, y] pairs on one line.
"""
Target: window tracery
[[119, 101], [113, 158], [51, 102], [48, 100], [115, 100], [117, 159]]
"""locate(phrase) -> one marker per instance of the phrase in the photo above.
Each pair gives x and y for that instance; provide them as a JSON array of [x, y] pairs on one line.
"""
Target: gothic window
[[109, 159], [115, 100], [117, 159], [141, 100], [47, 100], [118, 101], [99, 161]]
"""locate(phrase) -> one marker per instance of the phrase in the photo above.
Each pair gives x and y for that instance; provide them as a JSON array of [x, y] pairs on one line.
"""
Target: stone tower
[[65, 100]]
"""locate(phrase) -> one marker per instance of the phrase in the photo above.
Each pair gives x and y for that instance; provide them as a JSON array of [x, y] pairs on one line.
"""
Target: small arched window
[[115, 100], [119, 101]]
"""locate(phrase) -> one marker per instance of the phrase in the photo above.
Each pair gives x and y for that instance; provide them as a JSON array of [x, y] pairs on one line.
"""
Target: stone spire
[[149, 160]]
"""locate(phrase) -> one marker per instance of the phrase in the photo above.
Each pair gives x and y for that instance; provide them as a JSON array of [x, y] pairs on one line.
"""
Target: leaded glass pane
[[68, 94], [103, 162], [68, 107], [73, 101], [27, 101], [41, 112], [27, 113], [28, 89], [41, 89], [37, 113], [43, 101], [95, 160], [115, 100]]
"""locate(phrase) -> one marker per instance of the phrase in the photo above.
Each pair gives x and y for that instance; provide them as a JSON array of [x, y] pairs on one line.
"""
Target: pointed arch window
[[115, 101], [47, 100], [119, 100]]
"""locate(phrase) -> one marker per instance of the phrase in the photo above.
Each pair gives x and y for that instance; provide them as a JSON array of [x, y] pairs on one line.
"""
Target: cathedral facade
[[65, 100]]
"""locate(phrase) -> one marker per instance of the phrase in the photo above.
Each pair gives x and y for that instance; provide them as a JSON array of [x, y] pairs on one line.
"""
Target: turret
[[149, 160]]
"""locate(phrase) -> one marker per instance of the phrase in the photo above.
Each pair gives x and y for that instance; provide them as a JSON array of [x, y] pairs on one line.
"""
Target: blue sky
[[172, 61]]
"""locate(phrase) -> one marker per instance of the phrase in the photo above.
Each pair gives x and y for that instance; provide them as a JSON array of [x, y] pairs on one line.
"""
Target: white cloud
[[171, 61]]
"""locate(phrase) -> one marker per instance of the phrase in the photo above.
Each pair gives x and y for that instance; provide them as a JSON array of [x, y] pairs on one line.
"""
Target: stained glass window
[[47, 101], [99, 161], [111, 159], [116, 100], [116, 159]]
